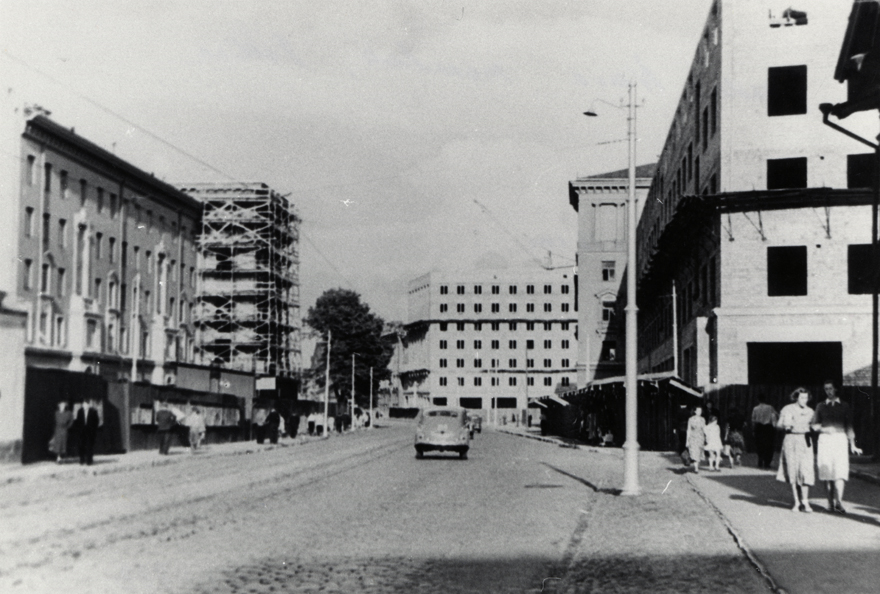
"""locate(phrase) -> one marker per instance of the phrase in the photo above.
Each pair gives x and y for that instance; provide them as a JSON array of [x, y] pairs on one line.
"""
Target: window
[[29, 222], [478, 363], [44, 278], [459, 307], [496, 290], [530, 289], [548, 381], [82, 192], [478, 381], [609, 351], [512, 326], [111, 249], [496, 326], [548, 307], [861, 273], [494, 363], [478, 307], [860, 171], [100, 200], [459, 290], [496, 308], [443, 326], [548, 326], [478, 344], [61, 288], [148, 256], [444, 289], [478, 289], [444, 363], [47, 187], [565, 344], [530, 307], [548, 363], [512, 289], [91, 332], [548, 344], [786, 90], [97, 294], [511, 381], [713, 104], [530, 325], [530, 344], [495, 381], [31, 170], [511, 344], [565, 307], [99, 237], [496, 344], [459, 326], [565, 363], [114, 206], [443, 381], [565, 289], [62, 233], [607, 311], [459, 363], [63, 183], [530, 381], [443, 307], [787, 271], [459, 344], [705, 128], [548, 289], [786, 173], [443, 344], [564, 325], [46, 231], [512, 307], [530, 363], [511, 363], [564, 381]]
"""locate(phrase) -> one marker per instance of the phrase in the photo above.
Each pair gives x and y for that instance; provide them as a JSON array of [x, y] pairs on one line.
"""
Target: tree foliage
[[355, 330]]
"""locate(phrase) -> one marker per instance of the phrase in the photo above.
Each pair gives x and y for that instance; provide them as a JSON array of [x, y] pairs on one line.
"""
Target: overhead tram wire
[[167, 143]]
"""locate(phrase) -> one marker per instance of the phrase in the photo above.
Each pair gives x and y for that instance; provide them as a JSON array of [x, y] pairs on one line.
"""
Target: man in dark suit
[[88, 421], [165, 421]]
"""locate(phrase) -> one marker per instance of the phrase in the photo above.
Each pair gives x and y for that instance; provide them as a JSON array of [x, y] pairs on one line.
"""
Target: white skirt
[[832, 457]]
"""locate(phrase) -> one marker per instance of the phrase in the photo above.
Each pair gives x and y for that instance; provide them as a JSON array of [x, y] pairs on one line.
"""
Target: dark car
[[443, 429]]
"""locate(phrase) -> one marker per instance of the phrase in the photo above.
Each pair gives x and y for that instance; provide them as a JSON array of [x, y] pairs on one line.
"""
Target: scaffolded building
[[247, 314]]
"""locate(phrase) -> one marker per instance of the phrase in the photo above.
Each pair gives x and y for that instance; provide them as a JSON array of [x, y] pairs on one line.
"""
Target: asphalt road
[[356, 513]]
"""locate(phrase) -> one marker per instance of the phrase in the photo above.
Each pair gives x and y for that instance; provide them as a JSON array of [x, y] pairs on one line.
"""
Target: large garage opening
[[472, 403], [794, 363]]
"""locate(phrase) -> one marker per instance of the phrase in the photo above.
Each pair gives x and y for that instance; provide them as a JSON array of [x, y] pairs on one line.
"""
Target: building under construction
[[247, 313]]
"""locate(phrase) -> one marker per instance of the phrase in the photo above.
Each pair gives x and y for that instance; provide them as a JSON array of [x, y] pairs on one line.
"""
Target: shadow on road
[[583, 481]]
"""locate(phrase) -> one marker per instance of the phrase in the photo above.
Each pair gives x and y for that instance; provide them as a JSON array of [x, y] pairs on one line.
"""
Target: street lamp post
[[327, 386], [631, 446], [352, 390]]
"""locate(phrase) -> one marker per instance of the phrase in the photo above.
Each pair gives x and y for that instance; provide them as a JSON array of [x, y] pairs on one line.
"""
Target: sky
[[410, 136]]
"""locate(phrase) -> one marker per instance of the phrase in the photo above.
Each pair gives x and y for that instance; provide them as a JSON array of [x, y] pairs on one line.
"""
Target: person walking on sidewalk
[[833, 420], [165, 422], [734, 443], [696, 437], [196, 423], [63, 421], [88, 420], [764, 420], [796, 461], [713, 443]]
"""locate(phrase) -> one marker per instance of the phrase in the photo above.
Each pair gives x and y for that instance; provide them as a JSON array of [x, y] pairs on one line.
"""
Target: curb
[[558, 442], [867, 477]]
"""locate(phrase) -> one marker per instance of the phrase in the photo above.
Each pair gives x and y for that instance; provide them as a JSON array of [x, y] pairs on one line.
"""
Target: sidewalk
[[821, 552]]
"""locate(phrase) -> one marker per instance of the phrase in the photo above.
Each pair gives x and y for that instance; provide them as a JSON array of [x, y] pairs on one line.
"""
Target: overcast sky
[[412, 136]]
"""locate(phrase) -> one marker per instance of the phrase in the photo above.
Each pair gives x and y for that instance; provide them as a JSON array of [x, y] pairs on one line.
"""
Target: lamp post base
[[631, 468]]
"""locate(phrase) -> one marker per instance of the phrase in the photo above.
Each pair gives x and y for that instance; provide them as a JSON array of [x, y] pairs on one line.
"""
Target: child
[[713, 443], [696, 437]]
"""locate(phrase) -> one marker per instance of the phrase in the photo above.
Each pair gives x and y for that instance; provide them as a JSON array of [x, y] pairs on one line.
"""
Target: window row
[[787, 270], [496, 289], [511, 344], [496, 307], [496, 381], [511, 363], [496, 326]]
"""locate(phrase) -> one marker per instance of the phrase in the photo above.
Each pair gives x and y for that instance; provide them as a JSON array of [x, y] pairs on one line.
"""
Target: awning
[[536, 402], [685, 388], [557, 399]]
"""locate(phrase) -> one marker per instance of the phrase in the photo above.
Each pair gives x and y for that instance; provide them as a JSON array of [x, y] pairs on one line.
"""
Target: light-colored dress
[[796, 464], [696, 437], [713, 437]]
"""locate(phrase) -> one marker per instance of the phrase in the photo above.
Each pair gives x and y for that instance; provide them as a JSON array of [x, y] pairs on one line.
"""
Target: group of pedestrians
[[819, 439], [706, 437], [86, 425]]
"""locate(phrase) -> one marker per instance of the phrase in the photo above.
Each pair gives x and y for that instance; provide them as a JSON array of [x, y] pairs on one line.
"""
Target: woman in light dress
[[713, 443], [796, 464], [696, 437]]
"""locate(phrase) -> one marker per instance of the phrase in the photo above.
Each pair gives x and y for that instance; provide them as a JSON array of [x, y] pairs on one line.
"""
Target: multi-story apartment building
[[600, 201], [247, 316], [489, 340], [758, 216], [106, 259]]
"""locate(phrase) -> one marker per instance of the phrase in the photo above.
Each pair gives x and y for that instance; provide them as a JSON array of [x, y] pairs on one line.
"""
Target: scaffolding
[[247, 314]]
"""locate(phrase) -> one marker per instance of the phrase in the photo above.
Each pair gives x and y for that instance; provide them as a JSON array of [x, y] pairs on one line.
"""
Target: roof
[[642, 171]]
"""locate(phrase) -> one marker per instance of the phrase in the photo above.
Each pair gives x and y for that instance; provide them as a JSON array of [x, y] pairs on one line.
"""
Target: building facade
[[600, 201], [248, 312], [489, 341], [106, 265], [758, 217]]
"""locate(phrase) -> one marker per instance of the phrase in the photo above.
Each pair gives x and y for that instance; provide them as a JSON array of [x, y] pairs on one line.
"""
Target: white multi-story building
[[489, 340], [758, 218]]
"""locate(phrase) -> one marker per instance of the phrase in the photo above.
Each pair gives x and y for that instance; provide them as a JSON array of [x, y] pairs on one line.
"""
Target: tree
[[355, 330]]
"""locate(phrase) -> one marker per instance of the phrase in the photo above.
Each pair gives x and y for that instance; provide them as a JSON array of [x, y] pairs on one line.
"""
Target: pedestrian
[[165, 422], [734, 440], [311, 423], [696, 437], [833, 420], [293, 425], [681, 426], [196, 423], [764, 419], [796, 461], [88, 421], [273, 422], [713, 443], [63, 421]]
